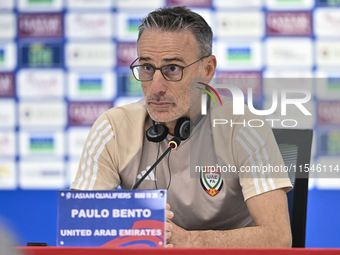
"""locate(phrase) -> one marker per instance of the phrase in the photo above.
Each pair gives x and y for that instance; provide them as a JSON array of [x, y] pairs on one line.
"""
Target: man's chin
[[163, 116]]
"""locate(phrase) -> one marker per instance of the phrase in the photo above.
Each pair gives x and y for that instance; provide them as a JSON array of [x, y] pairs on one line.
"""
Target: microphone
[[173, 144]]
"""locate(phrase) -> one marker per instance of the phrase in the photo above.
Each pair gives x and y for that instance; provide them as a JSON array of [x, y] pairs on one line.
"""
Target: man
[[243, 210]]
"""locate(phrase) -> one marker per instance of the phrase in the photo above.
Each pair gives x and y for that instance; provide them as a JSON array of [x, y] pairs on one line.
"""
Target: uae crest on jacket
[[211, 180]]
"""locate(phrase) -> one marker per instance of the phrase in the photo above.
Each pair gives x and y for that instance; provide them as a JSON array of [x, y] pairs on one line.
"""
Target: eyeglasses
[[169, 72]]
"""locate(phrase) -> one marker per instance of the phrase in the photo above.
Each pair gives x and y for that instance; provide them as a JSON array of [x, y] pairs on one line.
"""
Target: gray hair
[[179, 19]]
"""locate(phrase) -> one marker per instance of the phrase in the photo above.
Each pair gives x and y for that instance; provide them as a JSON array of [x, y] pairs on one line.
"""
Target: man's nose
[[158, 83]]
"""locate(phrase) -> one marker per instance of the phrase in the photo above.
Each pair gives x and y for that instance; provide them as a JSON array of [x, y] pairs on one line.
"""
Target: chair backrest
[[295, 147]]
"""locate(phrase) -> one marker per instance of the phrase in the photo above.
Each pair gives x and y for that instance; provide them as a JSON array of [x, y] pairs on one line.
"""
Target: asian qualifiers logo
[[239, 99]]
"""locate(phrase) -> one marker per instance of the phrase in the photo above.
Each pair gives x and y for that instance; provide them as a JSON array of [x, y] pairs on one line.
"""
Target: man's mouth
[[160, 103]]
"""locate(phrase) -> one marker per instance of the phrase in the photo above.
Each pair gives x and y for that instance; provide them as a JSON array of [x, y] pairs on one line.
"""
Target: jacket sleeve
[[97, 168]]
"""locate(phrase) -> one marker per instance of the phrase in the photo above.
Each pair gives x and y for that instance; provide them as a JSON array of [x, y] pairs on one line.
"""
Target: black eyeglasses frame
[[160, 69]]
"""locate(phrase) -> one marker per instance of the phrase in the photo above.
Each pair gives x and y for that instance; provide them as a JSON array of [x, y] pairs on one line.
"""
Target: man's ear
[[210, 64]]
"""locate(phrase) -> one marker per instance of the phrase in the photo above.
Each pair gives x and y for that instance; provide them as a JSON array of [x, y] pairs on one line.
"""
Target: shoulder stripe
[[256, 181], [89, 161], [258, 157], [249, 139], [252, 130], [270, 179], [95, 168], [86, 150], [244, 145], [251, 160], [263, 177], [265, 155]]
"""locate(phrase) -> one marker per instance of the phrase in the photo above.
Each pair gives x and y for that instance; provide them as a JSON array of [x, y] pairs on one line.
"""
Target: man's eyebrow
[[167, 60], [174, 59], [145, 59]]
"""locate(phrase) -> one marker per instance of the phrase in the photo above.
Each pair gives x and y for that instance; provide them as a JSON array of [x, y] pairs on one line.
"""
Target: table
[[173, 251]]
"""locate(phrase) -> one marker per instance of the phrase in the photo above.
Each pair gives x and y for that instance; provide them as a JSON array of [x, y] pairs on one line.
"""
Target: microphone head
[[174, 142]]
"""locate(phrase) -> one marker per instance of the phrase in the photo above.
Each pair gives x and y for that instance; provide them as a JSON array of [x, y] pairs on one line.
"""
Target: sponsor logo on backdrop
[[7, 85], [38, 1], [327, 22], [84, 25], [126, 53], [333, 84], [85, 114], [91, 86], [7, 26], [290, 4], [42, 114], [328, 3], [189, 3], [40, 83], [289, 52], [7, 144], [42, 143], [7, 175], [128, 25], [289, 23], [89, 4], [328, 53], [239, 3], [40, 25], [329, 113], [7, 56], [46, 5], [90, 55], [242, 80], [133, 24], [2, 56], [41, 54], [239, 54], [7, 113], [42, 175], [240, 24], [329, 142]]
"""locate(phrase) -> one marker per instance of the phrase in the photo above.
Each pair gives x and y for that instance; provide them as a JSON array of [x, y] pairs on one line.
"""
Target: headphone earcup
[[160, 135], [183, 128]]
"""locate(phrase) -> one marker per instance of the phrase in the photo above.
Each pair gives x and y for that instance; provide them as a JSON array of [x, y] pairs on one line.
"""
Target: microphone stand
[[173, 144]]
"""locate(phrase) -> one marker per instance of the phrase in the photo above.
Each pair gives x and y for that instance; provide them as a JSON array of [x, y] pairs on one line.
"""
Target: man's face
[[167, 100]]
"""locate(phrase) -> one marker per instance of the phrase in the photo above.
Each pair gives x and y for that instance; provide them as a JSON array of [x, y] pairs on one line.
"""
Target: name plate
[[111, 218]]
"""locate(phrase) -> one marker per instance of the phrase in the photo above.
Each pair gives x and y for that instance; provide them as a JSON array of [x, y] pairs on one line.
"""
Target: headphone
[[158, 133]]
